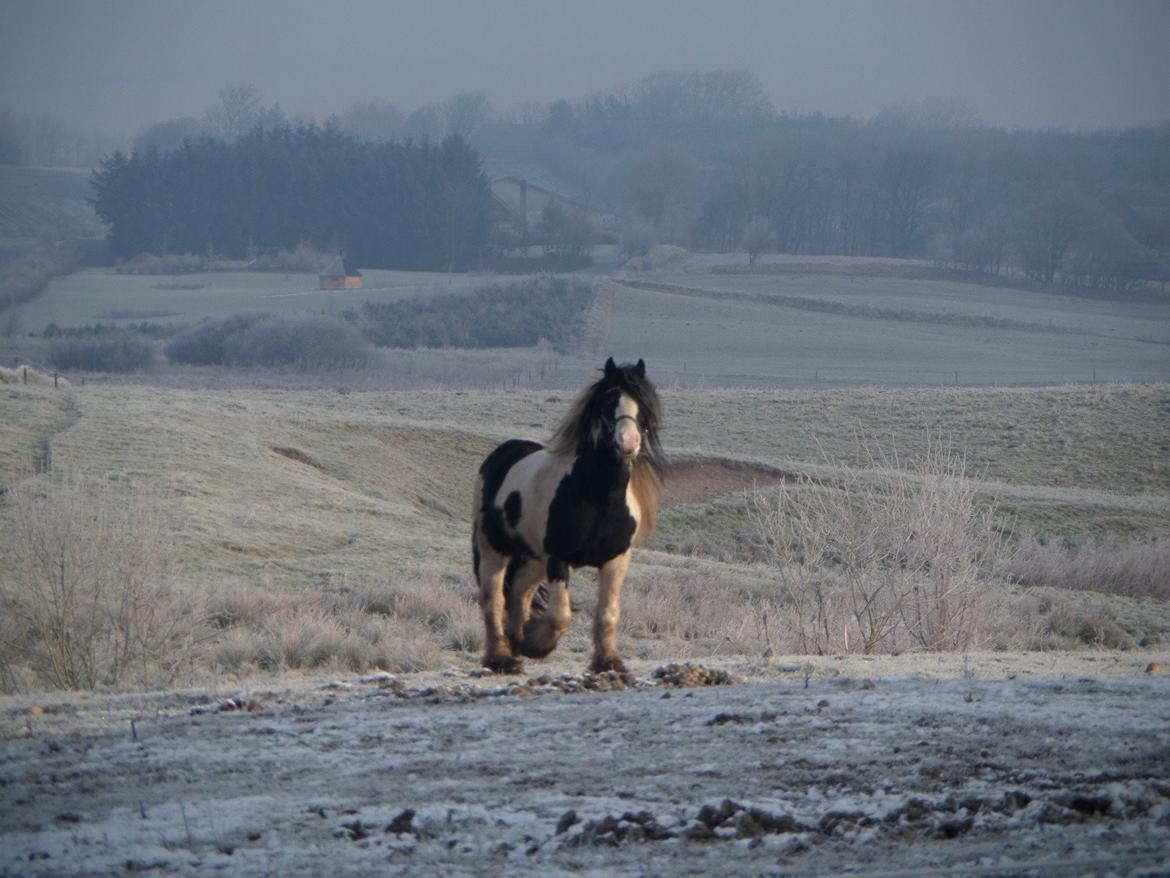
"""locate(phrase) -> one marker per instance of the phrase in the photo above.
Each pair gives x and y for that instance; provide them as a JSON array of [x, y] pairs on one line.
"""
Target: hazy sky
[[117, 65]]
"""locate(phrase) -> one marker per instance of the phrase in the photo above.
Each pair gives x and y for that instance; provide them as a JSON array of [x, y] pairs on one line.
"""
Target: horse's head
[[617, 414], [618, 417]]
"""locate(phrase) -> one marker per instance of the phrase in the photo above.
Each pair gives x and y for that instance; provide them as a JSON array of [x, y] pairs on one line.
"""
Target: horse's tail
[[549, 620]]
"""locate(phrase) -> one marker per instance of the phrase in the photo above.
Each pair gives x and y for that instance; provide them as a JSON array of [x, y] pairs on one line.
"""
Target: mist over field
[[120, 66], [276, 277]]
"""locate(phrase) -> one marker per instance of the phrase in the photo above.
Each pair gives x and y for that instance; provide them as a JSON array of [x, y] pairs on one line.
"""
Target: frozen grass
[[408, 625], [322, 508], [1134, 569]]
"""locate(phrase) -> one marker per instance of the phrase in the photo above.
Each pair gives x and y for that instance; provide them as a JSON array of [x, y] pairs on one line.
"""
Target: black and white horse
[[584, 499]]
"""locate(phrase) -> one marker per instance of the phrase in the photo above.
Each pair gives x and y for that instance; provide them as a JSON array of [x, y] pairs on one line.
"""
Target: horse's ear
[[610, 367], [640, 368]]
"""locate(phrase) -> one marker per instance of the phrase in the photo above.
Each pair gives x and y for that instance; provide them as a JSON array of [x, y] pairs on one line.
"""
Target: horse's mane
[[574, 434]]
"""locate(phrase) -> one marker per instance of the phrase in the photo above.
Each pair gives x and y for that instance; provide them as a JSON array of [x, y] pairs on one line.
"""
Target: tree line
[[388, 204], [704, 161], [701, 160]]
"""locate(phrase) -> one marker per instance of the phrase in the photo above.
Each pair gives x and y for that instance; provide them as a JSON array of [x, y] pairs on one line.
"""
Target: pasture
[[829, 330], [705, 327], [101, 294], [311, 492]]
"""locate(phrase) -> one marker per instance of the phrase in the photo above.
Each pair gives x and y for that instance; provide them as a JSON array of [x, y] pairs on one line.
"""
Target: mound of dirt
[[672, 676], [696, 479]]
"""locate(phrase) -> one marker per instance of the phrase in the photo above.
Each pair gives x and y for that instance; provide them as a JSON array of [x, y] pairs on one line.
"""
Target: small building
[[340, 275]]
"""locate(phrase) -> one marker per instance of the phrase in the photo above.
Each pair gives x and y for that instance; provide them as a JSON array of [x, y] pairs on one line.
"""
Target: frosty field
[[991, 765]]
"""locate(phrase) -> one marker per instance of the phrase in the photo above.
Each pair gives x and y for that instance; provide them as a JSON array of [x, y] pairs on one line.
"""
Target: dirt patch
[[697, 479], [483, 685], [297, 455]]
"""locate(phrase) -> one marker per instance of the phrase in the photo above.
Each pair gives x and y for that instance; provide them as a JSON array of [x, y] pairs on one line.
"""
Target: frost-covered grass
[[293, 493], [740, 336]]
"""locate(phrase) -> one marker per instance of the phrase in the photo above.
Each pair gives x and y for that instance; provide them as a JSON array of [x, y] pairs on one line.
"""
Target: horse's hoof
[[503, 664], [609, 663]]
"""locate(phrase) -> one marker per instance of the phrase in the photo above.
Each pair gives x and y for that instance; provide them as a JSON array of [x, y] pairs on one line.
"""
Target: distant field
[[46, 201], [90, 295], [825, 330]]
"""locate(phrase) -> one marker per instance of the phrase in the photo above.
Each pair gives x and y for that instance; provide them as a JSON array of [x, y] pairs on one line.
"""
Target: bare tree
[[464, 113], [663, 188], [373, 120], [236, 112], [758, 236]]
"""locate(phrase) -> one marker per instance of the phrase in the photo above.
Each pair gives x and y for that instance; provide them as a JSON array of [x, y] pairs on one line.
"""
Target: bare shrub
[[1133, 569], [85, 599], [884, 558], [117, 351], [271, 340]]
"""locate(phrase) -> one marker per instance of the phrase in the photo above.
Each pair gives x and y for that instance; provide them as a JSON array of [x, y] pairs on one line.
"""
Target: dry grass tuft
[[1134, 569], [411, 625]]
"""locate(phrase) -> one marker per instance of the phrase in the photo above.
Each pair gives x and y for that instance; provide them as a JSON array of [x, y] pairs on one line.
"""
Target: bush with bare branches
[[85, 598], [883, 557]]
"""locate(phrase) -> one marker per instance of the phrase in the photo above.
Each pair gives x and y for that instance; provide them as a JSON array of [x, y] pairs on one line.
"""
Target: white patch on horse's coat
[[626, 435], [538, 475]]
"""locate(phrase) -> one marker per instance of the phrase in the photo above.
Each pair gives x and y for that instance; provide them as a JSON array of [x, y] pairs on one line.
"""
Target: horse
[[585, 499]]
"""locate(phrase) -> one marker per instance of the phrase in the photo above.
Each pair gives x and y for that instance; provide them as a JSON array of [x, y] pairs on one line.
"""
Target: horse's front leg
[[605, 619], [519, 587], [542, 632]]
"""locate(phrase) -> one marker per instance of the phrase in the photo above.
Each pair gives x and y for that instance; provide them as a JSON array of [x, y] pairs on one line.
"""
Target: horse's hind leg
[[490, 569], [543, 632], [605, 619]]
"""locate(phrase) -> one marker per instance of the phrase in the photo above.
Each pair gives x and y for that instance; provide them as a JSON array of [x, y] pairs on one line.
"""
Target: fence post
[[54, 377], [24, 375]]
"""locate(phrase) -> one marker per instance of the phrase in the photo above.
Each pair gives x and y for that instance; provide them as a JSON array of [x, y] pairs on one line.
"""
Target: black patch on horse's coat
[[514, 565], [589, 522], [512, 509], [493, 470], [558, 571]]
